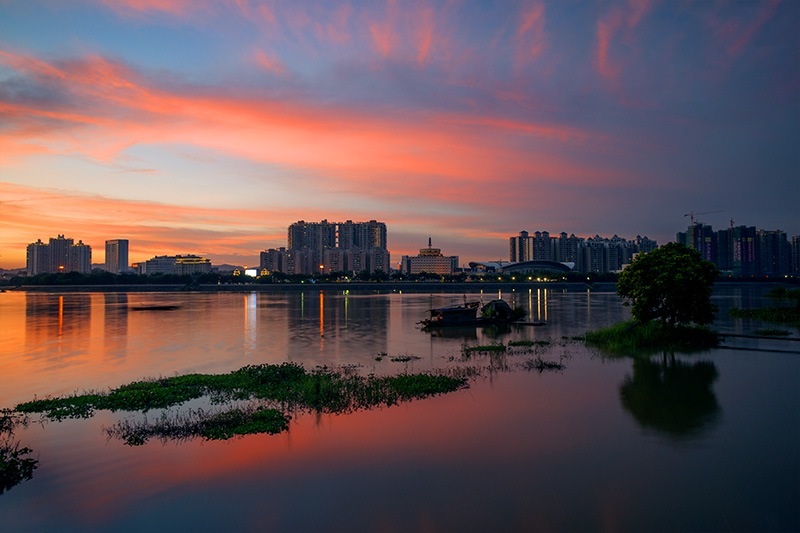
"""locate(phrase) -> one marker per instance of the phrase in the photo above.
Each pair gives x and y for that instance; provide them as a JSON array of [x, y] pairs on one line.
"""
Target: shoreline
[[439, 287], [351, 286]]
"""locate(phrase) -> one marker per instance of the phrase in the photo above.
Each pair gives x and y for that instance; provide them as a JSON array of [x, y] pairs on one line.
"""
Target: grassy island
[[669, 292], [270, 393], [650, 337], [780, 314]]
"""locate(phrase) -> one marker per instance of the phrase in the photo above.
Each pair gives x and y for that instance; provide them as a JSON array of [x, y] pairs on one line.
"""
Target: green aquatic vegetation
[[773, 332], [287, 385], [541, 365], [15, 465], [636, 337], [486, 348], [529, 343], [404, 358], [781, 315], [221, 425]]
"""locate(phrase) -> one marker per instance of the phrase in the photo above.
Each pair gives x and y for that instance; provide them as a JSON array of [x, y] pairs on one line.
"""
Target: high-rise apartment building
[[59, 255], [521, 248], [596, 254], [742, 251], [325, 247], [117, 256]]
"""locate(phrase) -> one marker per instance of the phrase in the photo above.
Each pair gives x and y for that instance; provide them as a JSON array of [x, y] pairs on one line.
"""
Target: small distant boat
[[473, 314], [154, 307]]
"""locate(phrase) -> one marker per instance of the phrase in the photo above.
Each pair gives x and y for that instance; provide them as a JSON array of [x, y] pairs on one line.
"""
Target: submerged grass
[[636, 337], [288, 385], [15, 464], [768, 332], [780, 315], [221, 425], [485, 348]]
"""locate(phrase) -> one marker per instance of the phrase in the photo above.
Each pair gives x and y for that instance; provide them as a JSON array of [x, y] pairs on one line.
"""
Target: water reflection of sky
[[588, 448]]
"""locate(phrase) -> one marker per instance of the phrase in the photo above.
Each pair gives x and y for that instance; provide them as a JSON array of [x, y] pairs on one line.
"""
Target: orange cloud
[[384, 157]]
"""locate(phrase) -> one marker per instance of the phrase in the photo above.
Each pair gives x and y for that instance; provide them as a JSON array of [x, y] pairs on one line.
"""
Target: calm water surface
[[707, 442]]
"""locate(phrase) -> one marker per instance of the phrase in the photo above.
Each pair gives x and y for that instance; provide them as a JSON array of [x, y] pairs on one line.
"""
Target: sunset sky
[[207, 127]]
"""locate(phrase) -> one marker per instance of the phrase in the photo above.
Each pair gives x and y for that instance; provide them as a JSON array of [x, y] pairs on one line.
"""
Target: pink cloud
[[735, 35], [618, 19], [425, 35], [173, 7], [270, 63], [384, 156], [531, 40]]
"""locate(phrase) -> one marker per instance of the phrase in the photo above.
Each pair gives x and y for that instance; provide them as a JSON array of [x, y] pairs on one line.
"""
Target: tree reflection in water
[[672, 397]]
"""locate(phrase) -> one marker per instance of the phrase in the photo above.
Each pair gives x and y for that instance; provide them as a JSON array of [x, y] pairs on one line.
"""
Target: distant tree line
[[100, 277]]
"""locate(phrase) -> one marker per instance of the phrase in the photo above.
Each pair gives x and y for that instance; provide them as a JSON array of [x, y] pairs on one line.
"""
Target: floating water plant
[[286, 387], [486, 348], [780, 315], [540, 365], [404, 358], [199, 423], [773, 332], [528, 343], [15, 465], [654, 336]]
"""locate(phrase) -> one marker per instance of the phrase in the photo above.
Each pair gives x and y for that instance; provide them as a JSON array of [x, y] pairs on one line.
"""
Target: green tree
[[672, 283]]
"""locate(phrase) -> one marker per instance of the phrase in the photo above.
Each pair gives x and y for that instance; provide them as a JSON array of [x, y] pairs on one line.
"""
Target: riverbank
[[349, 286]]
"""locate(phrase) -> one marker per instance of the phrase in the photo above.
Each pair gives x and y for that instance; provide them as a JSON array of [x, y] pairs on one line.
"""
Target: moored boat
[[472, 313]]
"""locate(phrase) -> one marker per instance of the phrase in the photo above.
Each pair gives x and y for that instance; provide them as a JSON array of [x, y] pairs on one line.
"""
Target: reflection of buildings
[[330, 322], [175, 264], [59, 255], [325, 247], [66, 318], [430, 260], [115, 324], [117, 256]]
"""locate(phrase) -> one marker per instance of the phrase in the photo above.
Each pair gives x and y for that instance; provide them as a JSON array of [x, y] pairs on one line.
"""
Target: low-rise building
[[175, 264], [430, 260]]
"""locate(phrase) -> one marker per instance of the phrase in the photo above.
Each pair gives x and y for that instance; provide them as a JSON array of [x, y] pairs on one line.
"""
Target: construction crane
[[691, 215]]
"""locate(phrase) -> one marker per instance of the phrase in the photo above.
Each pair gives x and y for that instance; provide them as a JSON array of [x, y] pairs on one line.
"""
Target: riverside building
[[175, 264], [324, 247], [430, 260], [117, 256], [593, 255], [743, 251], [59, 255]]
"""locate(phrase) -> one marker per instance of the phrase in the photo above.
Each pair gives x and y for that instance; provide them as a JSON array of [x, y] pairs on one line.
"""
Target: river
[[701, 442]]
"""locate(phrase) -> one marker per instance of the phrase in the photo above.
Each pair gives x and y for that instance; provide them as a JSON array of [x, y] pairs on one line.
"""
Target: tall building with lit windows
[[325, 247], [175, 264], [117, 256], [59, 255]]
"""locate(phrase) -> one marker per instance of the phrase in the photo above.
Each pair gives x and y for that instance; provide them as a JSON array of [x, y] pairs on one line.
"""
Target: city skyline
[[206, 127]]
